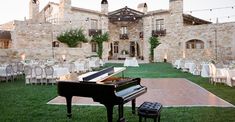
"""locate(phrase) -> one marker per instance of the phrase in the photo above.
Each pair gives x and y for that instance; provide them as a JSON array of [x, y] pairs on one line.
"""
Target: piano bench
[[149, 110]]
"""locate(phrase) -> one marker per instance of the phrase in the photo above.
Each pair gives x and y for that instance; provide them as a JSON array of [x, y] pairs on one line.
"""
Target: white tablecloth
[[131, 62], [81, 66], [2, 71], [60, 71], [177, 64], [230, 77], [190, 66], [205, 70]]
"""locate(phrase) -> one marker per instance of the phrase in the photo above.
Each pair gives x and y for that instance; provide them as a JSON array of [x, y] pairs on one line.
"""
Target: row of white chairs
[[34, 75], [216, 73], [11, 71], [190, 66]]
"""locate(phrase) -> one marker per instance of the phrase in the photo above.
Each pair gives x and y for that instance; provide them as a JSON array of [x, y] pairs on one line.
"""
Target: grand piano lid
[[101, 77], [73, 77]]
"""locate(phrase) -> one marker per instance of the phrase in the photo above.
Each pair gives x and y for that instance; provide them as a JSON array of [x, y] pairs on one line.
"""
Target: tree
[[99, 39], [72, 37], [153, 44]]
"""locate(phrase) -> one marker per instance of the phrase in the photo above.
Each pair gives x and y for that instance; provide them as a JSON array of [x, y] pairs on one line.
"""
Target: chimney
[[104, 7], [143, 8]]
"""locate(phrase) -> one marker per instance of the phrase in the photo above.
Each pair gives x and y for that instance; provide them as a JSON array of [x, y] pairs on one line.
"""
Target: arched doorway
[[134, 49], [111, 51]]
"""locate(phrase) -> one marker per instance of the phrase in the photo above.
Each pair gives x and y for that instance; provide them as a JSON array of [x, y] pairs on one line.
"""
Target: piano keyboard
[[129, 92]]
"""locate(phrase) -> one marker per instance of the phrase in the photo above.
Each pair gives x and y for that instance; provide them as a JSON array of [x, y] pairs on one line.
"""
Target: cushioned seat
[[150, 110]]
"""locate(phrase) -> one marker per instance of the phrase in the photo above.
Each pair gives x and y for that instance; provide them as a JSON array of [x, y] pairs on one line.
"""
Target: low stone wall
[[71, 54]]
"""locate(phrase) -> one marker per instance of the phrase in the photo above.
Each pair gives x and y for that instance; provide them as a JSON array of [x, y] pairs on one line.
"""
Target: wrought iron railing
[[93, 32], [123, 36], [158, 33]]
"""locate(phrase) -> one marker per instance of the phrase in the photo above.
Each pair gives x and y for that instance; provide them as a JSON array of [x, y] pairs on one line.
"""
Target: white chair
[[39, 74], [7, 73], [218, 75], [29, 76], [49, 72], [20, 68], [212, 73], [221, 75], [15, 70]]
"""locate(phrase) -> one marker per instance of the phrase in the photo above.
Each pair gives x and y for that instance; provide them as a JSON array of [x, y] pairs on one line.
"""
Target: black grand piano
[[103, 88]]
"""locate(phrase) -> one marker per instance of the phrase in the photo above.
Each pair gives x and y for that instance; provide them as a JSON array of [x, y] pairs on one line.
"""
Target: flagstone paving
[[171, 92]]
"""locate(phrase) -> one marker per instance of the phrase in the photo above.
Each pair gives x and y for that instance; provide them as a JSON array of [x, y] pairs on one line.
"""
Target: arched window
[[194, 44]]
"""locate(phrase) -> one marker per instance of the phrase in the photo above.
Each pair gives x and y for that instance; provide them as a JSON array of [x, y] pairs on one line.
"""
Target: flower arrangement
[[124, 52]]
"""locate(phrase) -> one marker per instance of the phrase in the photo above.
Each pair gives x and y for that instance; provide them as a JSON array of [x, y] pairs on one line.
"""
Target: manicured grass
[[20, 102]]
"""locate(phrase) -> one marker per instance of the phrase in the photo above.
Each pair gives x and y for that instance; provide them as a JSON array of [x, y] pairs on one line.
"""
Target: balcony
[[158, 33], [93, 32], [123, 36]]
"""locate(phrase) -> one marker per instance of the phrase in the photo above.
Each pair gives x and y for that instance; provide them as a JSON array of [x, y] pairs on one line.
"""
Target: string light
[[78, 22], [171, 23], [211, 9]]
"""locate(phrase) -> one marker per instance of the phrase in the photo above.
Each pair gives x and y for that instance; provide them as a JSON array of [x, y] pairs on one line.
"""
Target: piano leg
[[120, 113], [69, 102], [133, 103], [109, 112]]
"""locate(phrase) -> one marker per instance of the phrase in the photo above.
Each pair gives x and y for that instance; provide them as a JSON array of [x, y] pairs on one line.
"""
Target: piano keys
[[107, 90]]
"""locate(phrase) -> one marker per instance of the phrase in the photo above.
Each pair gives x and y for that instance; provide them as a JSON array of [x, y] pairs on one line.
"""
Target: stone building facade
[[181, 35]]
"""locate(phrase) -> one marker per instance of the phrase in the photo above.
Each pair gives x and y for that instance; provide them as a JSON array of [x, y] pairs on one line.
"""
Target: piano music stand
[[103, 74]]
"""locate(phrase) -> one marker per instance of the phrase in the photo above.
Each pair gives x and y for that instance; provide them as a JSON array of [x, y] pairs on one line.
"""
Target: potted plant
[[124, 52]]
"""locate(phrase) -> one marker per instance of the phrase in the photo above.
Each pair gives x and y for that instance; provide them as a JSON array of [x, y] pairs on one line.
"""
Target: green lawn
[[20, 102]]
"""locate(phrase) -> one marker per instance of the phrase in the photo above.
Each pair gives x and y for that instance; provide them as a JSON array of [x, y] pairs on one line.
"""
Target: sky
[[225, 12]]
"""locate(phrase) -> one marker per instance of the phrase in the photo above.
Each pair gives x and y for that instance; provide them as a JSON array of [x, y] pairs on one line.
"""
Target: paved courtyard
[[171, 92]]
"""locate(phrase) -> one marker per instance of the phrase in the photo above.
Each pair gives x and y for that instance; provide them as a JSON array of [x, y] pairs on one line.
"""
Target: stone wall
[[133, 28], [218, 43], [34, 38]]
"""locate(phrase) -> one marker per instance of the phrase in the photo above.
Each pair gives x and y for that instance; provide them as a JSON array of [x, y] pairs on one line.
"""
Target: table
[[2, 71], [230, 77], [81, 66], [205, 70], [60, 71], [131, 62], [191, 67], [177, 64]]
